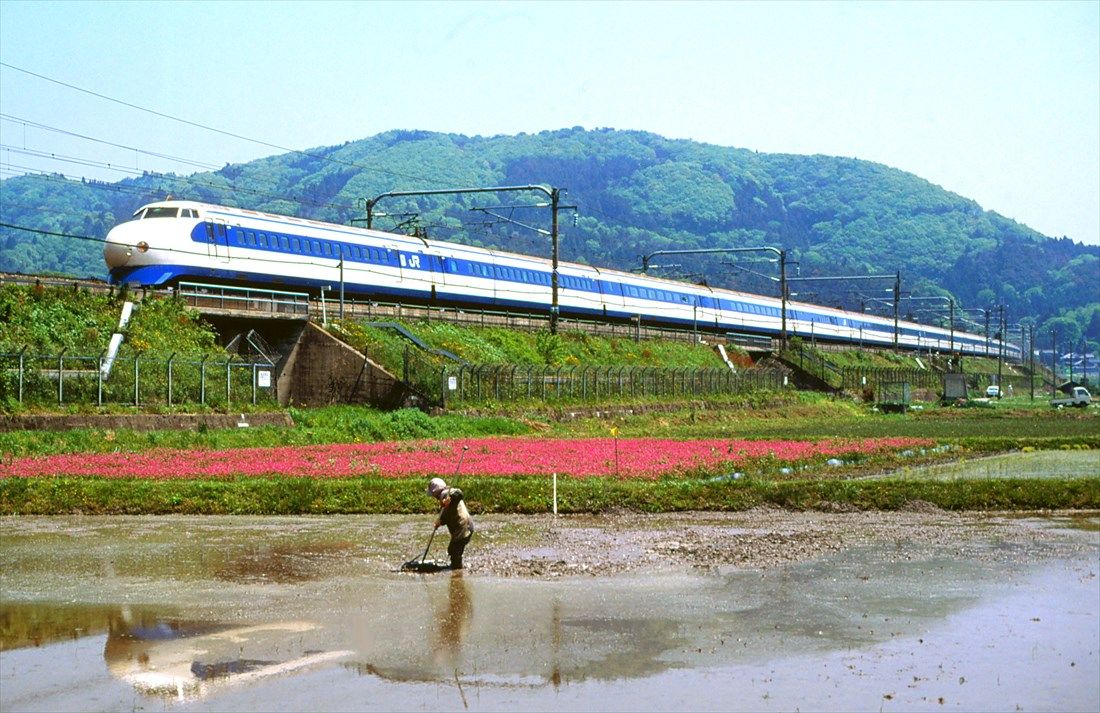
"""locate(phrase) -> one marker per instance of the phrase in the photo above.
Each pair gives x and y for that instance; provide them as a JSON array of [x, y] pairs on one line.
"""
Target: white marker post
[[555, 493]]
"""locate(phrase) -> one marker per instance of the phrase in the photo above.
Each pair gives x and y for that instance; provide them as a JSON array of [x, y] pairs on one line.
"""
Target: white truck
[[1078, 396]]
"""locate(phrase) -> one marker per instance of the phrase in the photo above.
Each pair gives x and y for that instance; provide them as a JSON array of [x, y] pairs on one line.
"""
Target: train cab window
[[161, 212]]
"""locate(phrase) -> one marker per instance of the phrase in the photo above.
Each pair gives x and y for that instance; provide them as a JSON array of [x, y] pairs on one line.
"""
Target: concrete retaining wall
[[322, 370]]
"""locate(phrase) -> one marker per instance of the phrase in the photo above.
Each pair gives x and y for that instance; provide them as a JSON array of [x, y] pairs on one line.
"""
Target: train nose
[[116, 254], [120, 246]]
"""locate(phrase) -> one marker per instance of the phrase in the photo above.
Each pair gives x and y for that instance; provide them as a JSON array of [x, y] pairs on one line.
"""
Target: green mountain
[[636, 193]]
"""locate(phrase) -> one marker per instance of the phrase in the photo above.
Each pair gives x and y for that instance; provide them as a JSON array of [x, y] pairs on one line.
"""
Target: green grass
[[793, 416], [499, 345], [337, 424], [260, 496]]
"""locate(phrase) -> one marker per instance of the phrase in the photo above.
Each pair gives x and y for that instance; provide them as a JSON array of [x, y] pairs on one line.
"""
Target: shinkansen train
[[170, 241]]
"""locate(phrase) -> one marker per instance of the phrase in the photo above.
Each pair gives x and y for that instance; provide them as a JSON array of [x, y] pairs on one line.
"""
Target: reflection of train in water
[[170, 241], [182, 659]]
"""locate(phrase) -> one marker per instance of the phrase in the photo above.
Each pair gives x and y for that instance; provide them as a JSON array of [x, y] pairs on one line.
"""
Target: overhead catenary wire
[[187, 161], [223, 132], [58, 130], [228, 187], [199, 125]]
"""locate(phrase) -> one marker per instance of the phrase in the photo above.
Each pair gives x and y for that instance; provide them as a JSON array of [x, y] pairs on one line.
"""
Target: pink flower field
[[626, 457]]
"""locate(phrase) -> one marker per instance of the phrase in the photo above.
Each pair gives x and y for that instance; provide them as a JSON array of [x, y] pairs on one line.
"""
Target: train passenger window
[[237, 237], [314, 247], [263, 240], [296, 245], [285, 242], [251, 238]]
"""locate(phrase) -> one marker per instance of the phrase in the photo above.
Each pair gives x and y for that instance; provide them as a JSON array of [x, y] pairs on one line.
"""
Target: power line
[[46, 127], [216, 130], [230, 187], [51, 233]]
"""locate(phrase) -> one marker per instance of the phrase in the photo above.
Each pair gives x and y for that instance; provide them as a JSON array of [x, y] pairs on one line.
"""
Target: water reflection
[[185, 658], [453, 621], [26, 624]]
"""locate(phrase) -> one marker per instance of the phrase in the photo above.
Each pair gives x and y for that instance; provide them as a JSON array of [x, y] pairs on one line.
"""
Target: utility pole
[[555, 194], [1001, 357], [986, 332], [1030, 339], [1053, 361], [897, 300]]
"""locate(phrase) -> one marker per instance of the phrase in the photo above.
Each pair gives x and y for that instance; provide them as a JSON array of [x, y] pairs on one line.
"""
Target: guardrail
[[250, 299]]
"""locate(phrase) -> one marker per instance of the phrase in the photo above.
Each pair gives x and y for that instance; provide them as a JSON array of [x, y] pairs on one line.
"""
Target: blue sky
[[999, 102]]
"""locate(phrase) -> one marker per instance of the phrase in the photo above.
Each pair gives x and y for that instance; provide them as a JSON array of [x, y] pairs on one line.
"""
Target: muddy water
[[906, 611]]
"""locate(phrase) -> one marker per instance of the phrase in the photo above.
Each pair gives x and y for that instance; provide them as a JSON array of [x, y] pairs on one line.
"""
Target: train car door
[[217, 244], [396, 260]]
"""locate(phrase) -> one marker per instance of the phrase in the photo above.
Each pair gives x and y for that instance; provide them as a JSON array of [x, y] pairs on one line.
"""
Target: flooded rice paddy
[[763, 610]]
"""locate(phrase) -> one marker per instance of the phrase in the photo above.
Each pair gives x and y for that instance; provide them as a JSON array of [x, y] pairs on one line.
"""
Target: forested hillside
[[636, 193]]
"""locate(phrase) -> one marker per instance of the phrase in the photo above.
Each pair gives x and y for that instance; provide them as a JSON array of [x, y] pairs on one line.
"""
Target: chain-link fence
[[30, 380], [482, 383]]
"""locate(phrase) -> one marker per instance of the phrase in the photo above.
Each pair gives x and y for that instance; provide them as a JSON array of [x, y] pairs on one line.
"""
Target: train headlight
[[143, 247]]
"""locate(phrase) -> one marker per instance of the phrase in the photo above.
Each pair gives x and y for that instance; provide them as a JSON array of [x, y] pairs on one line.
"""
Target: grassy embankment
[[50, 321]]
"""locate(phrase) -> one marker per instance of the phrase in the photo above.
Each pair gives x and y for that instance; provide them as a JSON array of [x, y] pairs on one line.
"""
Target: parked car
[[993, 391], [1080, 396]]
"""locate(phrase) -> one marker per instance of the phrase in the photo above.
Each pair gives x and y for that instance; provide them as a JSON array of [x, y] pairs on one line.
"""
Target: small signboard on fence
[[954, 387], [894, 396], [263, 379]]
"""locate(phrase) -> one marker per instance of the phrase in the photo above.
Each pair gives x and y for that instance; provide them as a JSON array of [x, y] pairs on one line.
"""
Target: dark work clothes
[[459, 523]]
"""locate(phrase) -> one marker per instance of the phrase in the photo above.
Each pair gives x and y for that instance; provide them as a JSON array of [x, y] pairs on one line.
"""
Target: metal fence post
[[99, 377], [61, 376], [170, 360], [21, 353], [202, 379], [228, 381], [137, 379], [254, 365]]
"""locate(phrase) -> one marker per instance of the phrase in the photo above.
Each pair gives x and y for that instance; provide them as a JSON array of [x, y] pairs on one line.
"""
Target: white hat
[[436, 487]]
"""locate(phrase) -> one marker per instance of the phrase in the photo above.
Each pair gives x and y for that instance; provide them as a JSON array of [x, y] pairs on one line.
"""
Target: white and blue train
[[169, 241]]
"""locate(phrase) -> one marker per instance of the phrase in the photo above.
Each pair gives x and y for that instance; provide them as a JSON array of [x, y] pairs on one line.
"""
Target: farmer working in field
[[453, 514]]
